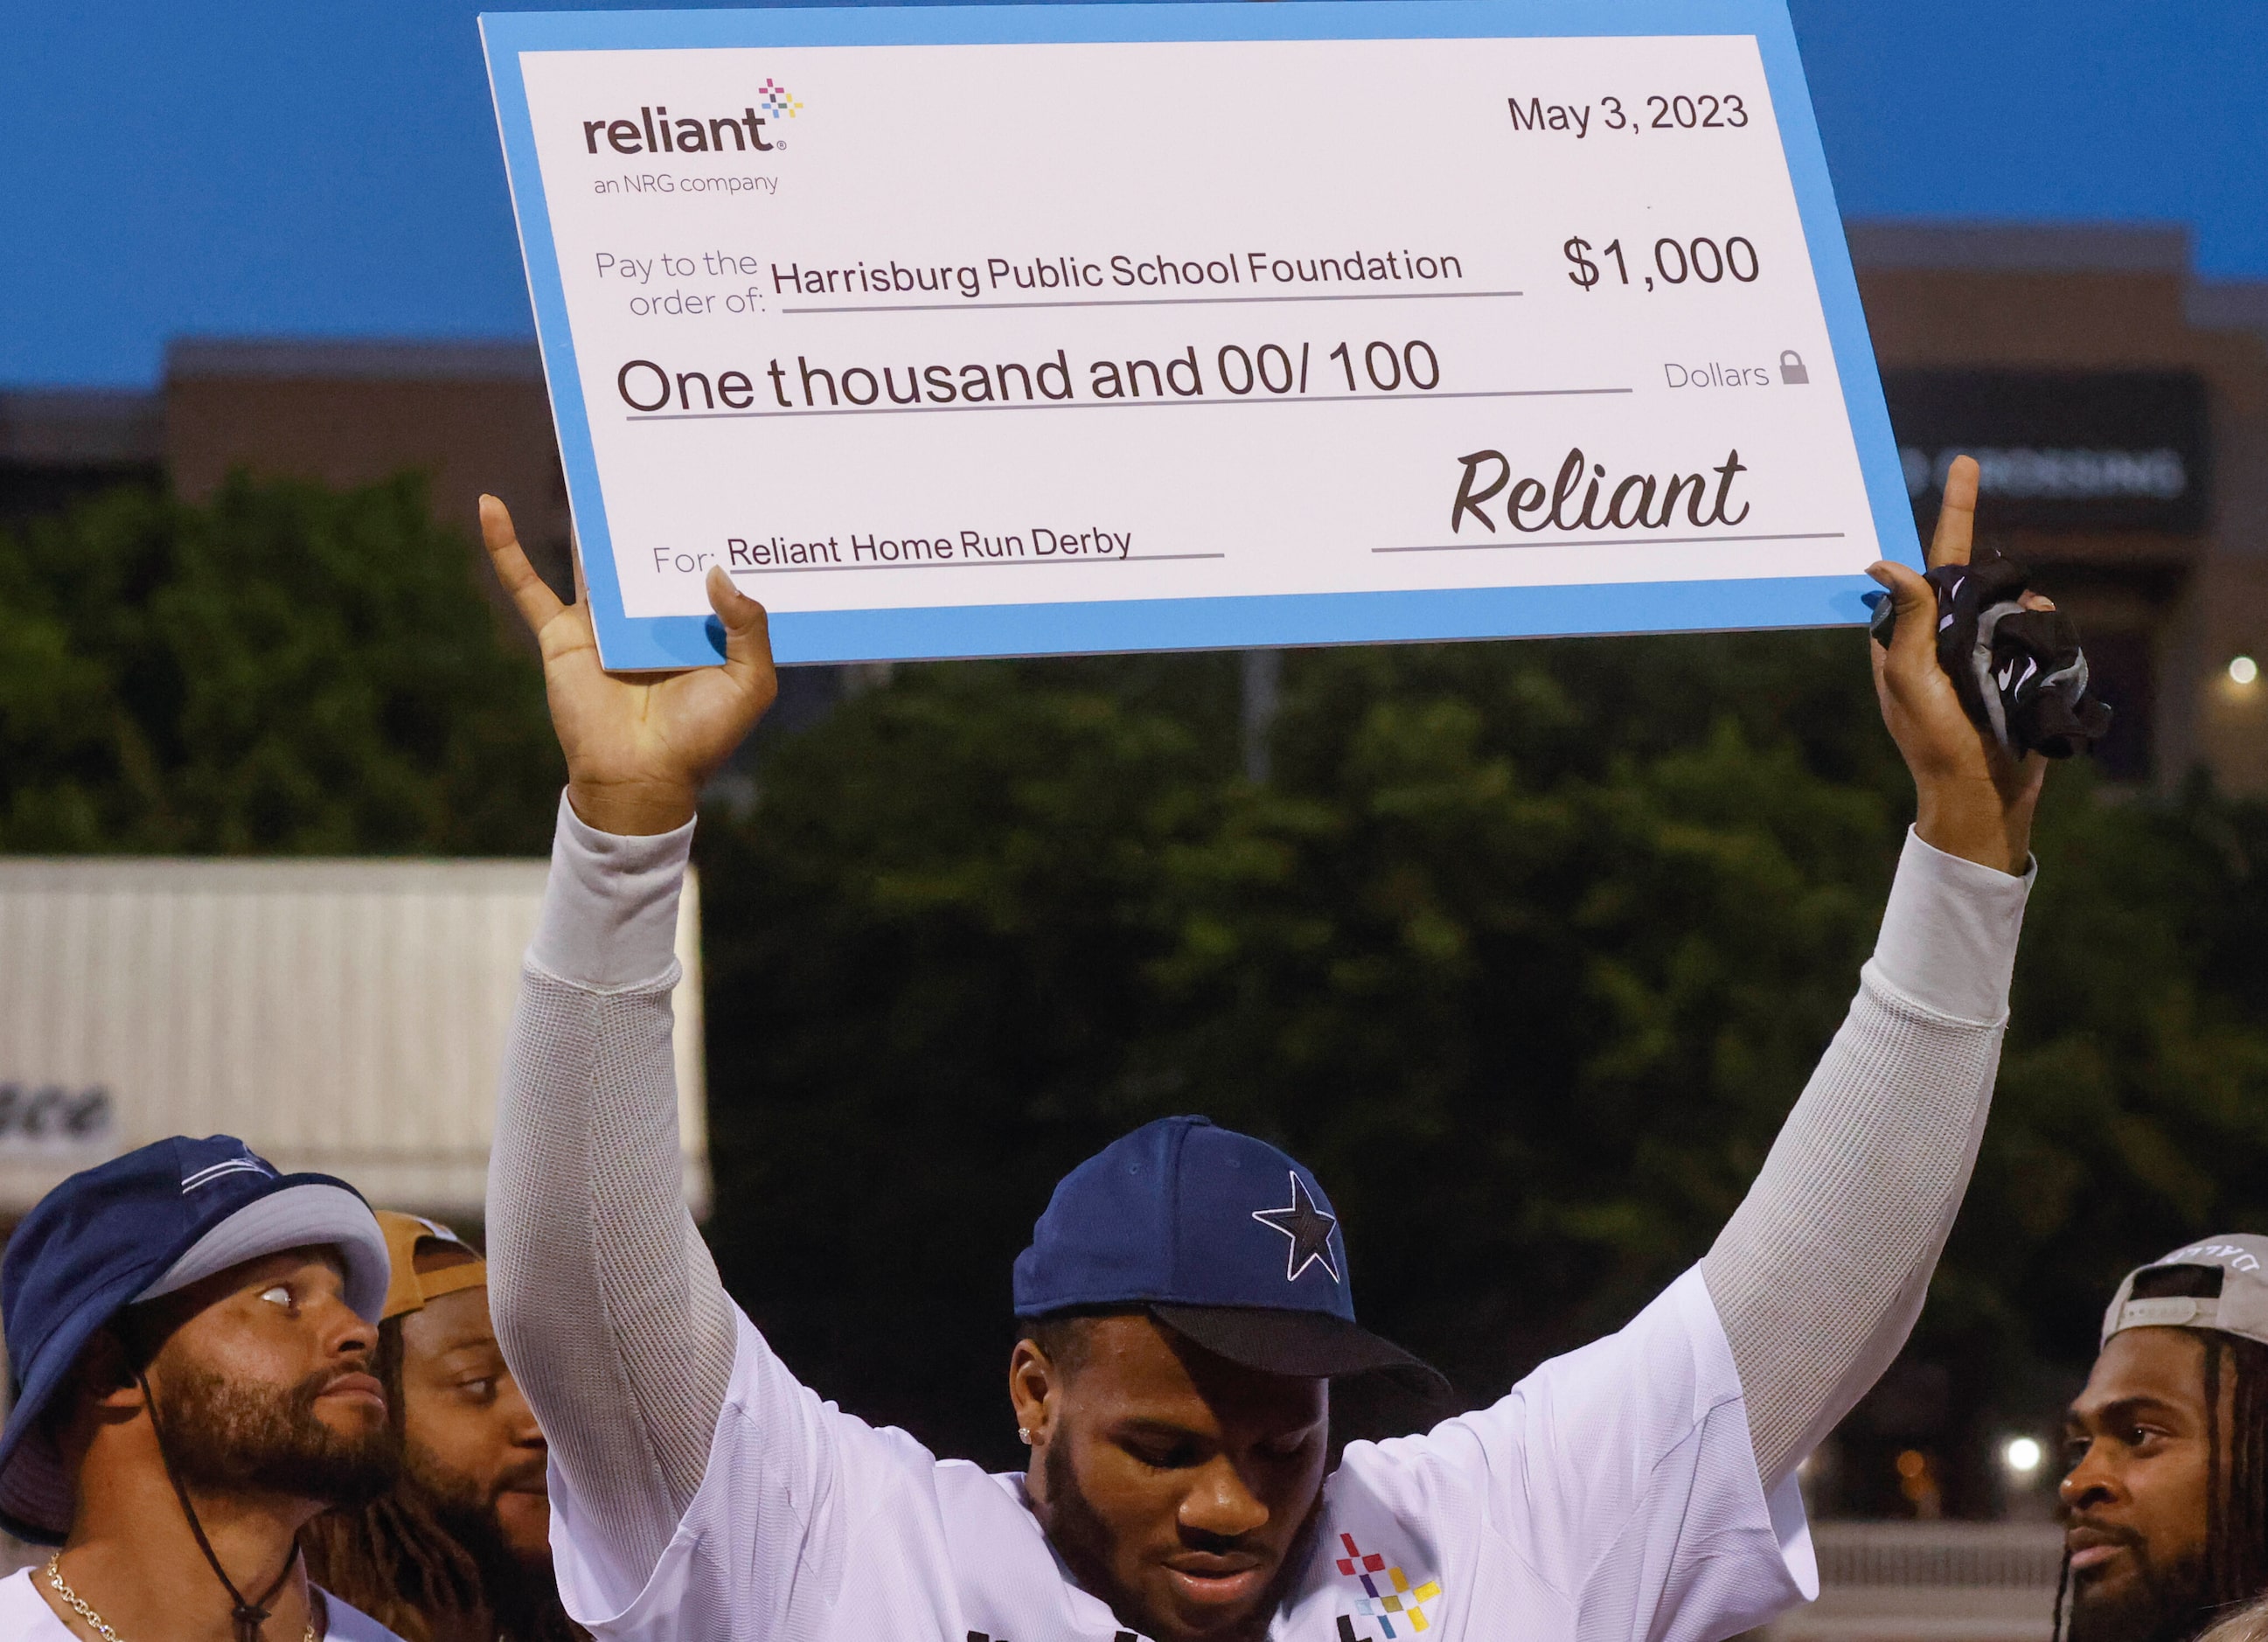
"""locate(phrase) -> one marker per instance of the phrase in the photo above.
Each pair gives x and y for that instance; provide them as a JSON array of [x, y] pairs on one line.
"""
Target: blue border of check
[[633, 644]]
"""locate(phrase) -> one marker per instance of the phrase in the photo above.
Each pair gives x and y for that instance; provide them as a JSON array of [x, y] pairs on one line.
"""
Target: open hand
[[640, 748], [1976, 800]]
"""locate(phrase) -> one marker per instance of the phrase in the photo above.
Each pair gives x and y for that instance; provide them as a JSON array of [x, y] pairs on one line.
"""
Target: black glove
[[2021, 673]]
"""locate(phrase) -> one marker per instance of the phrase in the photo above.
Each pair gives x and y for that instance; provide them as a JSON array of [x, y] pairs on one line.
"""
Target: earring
[[1025, 1434]]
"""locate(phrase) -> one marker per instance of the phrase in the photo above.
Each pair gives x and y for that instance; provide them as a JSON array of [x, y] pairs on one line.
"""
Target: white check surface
[[1455, 171]]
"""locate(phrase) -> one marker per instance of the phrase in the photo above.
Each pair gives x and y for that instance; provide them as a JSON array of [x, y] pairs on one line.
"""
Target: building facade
[[2120, 409], [469, 416], [2120, 406], [345, 1016]]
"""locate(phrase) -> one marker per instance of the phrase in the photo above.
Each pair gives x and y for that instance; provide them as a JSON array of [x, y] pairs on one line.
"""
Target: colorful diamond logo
[[777, 101]]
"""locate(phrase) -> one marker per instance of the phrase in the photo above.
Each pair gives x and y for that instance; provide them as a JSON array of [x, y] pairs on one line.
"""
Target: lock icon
[[1791, 368]]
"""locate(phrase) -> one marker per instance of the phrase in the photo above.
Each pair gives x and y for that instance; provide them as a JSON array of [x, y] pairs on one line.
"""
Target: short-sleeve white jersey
[[1612, 1494]]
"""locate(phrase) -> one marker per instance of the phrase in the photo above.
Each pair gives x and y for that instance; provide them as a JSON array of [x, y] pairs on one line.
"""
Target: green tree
[[1527, 947], [286, 669]]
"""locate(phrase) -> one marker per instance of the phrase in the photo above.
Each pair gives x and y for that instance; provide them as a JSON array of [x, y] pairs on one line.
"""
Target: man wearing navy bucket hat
[[189, 1338], [1187, 1297]]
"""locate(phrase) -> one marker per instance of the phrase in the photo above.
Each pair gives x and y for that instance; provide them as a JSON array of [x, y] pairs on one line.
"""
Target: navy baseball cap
[[148, 1224], [1221, 1237]]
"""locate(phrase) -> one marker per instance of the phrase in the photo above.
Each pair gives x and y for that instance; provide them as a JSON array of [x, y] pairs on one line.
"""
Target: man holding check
[[1185, 1301]]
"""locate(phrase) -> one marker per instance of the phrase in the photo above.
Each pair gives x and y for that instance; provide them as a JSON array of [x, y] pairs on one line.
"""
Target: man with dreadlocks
[[458, 1550], [2167, 1499]]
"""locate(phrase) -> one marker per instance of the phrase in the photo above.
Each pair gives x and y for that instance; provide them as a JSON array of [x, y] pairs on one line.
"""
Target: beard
[[2166, 1602], [222, 1437], [1078, 1531], [521, 1593]]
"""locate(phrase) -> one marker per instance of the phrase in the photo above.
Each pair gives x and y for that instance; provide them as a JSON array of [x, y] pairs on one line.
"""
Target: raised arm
[[1822, 1271], [607, 1303]]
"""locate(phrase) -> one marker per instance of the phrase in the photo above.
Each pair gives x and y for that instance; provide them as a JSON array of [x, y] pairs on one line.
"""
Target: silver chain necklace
[[95, 1621]]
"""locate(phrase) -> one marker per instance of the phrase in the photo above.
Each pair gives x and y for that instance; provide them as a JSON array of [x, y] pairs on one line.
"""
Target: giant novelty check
[[1022, 329]]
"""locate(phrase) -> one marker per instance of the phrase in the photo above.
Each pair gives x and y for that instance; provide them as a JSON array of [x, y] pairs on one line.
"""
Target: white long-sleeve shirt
[[1639, 1488]]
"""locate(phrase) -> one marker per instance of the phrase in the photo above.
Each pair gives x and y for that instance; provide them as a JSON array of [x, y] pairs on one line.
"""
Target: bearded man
[[460, 1548], [190, 1338], [2166, 1503], [1187, 1299]]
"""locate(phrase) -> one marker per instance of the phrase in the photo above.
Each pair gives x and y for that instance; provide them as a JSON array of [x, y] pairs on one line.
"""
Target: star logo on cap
[[1308, 1227]]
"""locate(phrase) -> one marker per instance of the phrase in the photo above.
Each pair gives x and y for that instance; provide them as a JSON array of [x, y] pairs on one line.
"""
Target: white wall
[[345, 1016]]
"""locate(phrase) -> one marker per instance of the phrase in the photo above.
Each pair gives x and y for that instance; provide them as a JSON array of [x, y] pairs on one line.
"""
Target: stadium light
[[2022, 1457]]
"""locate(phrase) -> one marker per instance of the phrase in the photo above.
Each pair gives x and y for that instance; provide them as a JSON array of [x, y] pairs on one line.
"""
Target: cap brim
[[1306, 1344], [301, 1211]]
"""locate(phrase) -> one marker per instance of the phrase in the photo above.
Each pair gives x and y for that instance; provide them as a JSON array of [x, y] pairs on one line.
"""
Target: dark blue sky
[[171, 166]]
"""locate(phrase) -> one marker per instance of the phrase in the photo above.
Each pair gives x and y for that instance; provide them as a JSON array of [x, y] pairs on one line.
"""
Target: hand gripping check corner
[[2021, 673]]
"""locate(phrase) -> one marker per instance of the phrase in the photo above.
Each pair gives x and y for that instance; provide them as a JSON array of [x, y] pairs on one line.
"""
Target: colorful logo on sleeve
[[1392, 1604]]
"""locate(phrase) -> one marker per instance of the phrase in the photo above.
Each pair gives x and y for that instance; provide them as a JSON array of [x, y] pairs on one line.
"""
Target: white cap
[[2240, 1308]]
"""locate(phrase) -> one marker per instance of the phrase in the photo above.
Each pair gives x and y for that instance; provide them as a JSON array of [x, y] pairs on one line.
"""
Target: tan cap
[[2240, 1308], [410, 1289]]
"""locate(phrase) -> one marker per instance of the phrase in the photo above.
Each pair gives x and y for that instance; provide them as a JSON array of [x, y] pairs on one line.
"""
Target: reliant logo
[[658, 131], [1639, 501]]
